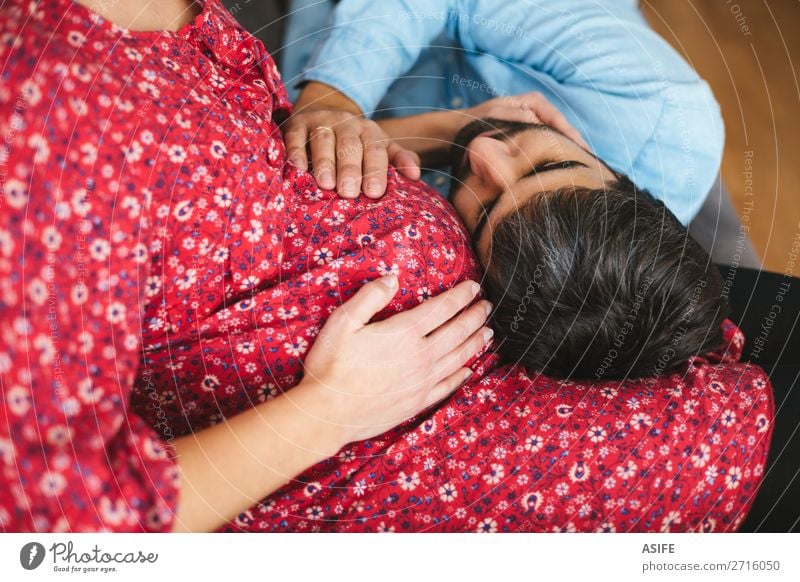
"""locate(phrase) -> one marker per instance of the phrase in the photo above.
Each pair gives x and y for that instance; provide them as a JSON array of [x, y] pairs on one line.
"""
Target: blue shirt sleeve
[[384, 38]]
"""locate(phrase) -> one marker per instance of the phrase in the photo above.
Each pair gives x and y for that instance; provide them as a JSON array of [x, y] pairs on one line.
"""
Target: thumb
[[406, 161], [369, 300]]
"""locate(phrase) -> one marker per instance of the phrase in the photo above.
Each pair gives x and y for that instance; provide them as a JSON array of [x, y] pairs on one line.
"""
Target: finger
[[550, 115], [555, 119], [406, 161], [447, 386], [323, 155], [517, 112], [456, 331], [368, 301], [296, 141], [428, 316], [349, 151], [376, 161], [463, 353]]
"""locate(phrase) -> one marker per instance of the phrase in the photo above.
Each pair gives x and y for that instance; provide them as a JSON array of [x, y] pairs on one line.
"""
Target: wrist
[[324, 428], [316, 95]]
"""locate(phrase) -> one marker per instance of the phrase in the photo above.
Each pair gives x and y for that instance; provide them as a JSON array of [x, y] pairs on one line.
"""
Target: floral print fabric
[[162, 268]]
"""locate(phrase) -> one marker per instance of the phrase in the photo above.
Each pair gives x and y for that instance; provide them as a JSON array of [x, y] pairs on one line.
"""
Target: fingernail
[[325, 178], [349, 187], [390, 281], [374, 186], [467, 375], [488, 308], [487, 335], [475, 288]]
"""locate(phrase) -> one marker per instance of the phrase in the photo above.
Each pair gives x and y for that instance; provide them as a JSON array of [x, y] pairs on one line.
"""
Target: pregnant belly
[[237, 311]]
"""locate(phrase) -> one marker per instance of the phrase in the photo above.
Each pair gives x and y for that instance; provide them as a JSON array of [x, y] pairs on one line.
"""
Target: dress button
[[440, 180], [456, 102]]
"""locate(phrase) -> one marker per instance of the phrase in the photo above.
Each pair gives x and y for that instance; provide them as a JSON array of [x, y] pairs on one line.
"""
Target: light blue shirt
[[639, 105]]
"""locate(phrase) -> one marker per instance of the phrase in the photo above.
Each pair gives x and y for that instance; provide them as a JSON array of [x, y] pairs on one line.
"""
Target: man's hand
[[348, 151]]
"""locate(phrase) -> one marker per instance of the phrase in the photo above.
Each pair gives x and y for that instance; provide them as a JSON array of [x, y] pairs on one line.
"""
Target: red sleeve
[[73, 259]]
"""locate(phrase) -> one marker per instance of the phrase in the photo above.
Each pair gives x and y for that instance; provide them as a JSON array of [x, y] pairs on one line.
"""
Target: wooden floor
[[749, 52]]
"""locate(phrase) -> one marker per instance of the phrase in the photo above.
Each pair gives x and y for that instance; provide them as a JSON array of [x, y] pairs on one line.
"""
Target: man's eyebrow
[[551, 166]]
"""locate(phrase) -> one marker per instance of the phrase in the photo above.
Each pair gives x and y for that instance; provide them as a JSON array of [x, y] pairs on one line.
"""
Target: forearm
[[429, 135], [233, 465]]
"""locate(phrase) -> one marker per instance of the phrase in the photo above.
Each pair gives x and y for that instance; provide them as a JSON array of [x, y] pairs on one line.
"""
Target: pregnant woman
[[154, 168], [164, 273]]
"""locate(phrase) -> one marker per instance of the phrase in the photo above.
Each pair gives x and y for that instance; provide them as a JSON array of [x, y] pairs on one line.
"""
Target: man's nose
[[492, 160]]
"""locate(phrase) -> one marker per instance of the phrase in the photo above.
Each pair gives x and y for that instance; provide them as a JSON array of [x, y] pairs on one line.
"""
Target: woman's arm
[[360, 380], [235, 464], [75, 458]]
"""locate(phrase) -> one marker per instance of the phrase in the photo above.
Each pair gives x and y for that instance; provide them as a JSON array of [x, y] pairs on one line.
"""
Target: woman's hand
[[361, 379], [348, 151], [373, 376]]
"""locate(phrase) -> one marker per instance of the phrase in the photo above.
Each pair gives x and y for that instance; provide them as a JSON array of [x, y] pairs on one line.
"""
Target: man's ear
[[491, 160]]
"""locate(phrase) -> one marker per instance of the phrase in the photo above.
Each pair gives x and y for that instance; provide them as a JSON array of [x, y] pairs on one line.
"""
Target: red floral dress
[[162, 268]]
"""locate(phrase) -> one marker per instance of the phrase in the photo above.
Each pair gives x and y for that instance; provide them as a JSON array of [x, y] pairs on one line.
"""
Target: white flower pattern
[[237, 259]]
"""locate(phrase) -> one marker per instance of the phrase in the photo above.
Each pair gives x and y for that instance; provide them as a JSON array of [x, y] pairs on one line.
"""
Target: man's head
[[591, 277]]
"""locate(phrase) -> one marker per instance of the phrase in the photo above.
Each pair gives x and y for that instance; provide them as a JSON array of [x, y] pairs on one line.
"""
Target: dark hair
[[593, 284]]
